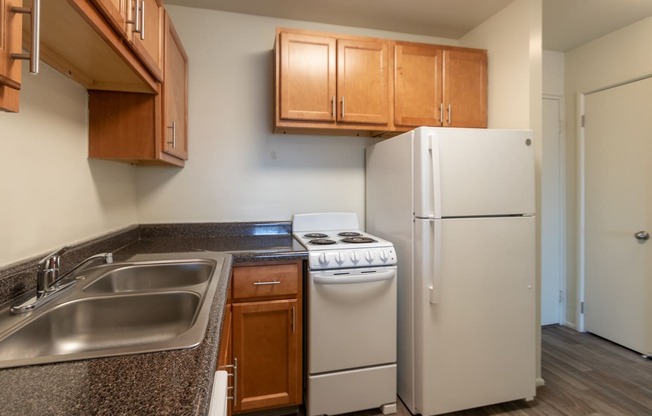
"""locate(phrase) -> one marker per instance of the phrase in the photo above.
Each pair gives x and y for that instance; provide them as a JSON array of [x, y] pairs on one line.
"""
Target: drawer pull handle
[[273, 282]]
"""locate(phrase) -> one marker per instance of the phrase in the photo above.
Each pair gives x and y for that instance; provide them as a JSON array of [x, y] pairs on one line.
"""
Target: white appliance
[[351, 311], [458, 205]]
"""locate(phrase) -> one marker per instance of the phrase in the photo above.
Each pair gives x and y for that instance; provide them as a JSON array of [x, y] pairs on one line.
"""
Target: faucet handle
[[52, 260]]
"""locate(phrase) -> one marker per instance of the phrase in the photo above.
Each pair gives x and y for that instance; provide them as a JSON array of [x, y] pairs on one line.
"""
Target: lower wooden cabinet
[[266, 340]]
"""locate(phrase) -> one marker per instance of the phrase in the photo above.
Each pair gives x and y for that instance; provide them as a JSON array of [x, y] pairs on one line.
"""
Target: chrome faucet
[[48, 280], [47, 272]]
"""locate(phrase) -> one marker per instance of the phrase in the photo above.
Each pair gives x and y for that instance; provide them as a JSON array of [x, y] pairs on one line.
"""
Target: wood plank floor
[[585, 376]]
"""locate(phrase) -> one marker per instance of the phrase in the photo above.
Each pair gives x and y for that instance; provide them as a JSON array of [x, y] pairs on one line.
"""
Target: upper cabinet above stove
[[337, 84]]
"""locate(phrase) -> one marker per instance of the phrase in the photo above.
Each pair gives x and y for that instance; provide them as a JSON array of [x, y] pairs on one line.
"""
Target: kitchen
[[237, 170]]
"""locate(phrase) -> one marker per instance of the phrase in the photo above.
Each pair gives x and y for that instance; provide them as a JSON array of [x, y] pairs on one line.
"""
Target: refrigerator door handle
[[435, 169], [436, 261]]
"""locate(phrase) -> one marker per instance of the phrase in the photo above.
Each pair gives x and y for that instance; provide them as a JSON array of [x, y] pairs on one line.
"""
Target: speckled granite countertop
[[163, 383]]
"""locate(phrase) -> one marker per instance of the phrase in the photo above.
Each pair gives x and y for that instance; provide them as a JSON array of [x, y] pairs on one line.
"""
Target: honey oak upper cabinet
[[144, 128], [175, 94], [439, 86], [147, 34], [465, 88], [328, 81], [418, 89], [117, 12], [140, 22], [11, 24]]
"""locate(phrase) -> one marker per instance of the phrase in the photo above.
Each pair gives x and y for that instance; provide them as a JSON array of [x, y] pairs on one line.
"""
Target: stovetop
[[331, 247], [339, 240]]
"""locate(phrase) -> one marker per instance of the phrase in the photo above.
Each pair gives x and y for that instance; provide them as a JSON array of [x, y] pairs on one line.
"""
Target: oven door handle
[[353, 278]]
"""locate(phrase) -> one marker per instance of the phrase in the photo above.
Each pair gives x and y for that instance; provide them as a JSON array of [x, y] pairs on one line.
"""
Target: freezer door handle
[[434, 241], [354, 278], [436, 176]]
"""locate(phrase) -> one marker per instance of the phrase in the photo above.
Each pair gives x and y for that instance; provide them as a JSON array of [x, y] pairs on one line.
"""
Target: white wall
[[238, 170], [621, 56], [51, 194], [513, 38], [553, 73]]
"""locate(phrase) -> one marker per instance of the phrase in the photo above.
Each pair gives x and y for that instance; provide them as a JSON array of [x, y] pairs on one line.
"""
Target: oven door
[[351, 318]]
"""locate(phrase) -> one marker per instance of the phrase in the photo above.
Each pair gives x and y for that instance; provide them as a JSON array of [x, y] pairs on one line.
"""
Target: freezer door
[[473, 172], [475, 331]]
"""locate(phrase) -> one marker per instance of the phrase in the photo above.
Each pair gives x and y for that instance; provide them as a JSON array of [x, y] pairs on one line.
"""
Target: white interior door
[[551, 216], [618, 200]]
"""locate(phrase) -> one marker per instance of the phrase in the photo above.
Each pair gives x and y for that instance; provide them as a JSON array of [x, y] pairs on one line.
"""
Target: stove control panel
[[340, 259]]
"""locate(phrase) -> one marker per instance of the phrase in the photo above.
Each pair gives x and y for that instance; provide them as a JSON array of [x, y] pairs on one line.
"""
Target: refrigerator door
[[475, 330], [473, 172]]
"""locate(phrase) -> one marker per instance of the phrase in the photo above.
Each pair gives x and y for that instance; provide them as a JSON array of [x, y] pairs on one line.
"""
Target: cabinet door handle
[[273, 282], [441, 113], [173, 142], [342, 108], [333, 105], [450, 114], [294, 319], [234, 387], [142, 20], [35, 18], [139, 20]]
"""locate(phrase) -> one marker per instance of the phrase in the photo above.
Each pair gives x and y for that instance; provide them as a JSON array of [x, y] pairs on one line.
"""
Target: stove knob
[[338, 258], [355, 258], [369, 256], [383, 256], [323, 260]]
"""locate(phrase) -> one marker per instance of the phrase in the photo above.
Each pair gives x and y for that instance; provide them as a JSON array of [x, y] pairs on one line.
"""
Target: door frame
[[562, 205]]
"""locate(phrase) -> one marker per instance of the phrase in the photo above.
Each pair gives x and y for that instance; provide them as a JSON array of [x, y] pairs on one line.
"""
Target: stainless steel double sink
[[116, 309]]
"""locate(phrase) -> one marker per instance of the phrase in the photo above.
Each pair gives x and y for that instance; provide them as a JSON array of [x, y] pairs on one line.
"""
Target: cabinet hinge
[[561, 296], [581, 307], [583, 120]]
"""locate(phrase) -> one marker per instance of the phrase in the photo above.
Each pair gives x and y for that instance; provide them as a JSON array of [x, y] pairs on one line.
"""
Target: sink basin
[[103, 323], [151, 276], [117, 309]]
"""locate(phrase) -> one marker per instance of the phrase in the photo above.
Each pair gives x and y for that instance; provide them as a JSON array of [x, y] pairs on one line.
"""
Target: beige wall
[[51, 194], [621, 56], [238, 170]]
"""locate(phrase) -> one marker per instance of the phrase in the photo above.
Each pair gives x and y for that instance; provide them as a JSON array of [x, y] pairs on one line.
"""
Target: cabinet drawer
[[265, 281]]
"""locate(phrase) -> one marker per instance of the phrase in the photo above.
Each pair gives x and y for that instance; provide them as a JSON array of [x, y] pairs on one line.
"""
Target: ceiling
[[566, 23]]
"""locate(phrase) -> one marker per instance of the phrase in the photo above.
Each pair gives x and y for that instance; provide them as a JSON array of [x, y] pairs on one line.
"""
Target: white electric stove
[[351, 296]]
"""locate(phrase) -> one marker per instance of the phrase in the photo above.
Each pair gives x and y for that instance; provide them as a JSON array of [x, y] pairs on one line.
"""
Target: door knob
[[642, 235]]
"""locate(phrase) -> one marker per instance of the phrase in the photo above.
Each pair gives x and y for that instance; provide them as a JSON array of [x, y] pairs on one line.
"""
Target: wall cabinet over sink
[[140, 23], [145, 128], [338, 84]]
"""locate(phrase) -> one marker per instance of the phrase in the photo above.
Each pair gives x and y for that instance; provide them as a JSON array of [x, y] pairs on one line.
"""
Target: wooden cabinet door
[[307, 77], [465, 88], [417, 88], [11, 26], [116, 12], [148, 40], [267, 343], [363, 81], [175, 95]]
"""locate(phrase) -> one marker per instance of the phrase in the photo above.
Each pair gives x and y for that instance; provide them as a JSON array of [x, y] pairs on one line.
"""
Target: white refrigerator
[[459, 205]]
